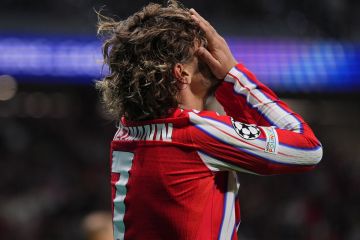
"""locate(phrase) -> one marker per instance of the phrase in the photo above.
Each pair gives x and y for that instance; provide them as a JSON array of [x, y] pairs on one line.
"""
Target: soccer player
[[173, 163]]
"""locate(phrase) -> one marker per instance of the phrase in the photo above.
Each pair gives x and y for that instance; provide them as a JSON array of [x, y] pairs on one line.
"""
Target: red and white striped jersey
[[174, 178]]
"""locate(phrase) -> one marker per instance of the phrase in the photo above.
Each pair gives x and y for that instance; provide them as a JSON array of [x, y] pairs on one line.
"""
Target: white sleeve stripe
[[260, 101], [266, 102], [282, 144], [288, 156], [274, 113], [228, 130], [217, 165]]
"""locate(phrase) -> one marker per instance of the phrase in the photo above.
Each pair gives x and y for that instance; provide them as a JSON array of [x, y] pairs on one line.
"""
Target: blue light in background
[[301, 66], [286, 65], [72, 60]]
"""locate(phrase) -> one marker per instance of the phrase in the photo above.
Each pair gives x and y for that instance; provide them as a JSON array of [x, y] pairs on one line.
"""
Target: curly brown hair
[[141, 53]]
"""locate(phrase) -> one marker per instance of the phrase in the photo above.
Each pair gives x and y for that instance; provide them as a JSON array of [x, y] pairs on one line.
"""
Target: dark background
[[298, 18], [54, 157]]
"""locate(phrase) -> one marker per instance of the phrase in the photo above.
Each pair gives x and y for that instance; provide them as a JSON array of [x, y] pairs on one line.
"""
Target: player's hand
[[217, 55]]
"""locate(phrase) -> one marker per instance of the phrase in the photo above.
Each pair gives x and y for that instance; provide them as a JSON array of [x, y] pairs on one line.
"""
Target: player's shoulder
[[203, 113], [208, 116], [207, 113]]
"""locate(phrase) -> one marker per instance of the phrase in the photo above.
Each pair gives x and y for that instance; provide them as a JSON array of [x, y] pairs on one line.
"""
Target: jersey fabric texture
[[175, 178]]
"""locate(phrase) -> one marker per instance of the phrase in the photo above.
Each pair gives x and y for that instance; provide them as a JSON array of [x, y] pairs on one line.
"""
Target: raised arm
[[282, 142]]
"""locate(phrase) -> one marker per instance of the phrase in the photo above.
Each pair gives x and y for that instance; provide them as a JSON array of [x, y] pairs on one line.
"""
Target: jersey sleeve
[[247, 99], [260, 135]]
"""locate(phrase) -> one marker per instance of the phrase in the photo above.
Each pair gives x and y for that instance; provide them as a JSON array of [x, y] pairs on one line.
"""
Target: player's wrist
[[231, 64]]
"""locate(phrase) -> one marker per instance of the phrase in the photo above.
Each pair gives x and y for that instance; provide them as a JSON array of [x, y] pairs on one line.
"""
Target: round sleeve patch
[[246, 131]]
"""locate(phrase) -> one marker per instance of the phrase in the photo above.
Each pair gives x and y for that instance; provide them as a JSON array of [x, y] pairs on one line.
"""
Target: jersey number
[[121, 164]]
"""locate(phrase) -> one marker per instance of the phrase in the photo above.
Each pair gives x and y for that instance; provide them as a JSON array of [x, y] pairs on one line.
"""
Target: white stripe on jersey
[[228, 222], [226, 134], [270, 109], [121, 163], [216, 165]]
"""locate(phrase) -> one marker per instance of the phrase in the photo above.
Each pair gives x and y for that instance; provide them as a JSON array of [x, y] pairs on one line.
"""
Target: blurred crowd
[[54, 170]]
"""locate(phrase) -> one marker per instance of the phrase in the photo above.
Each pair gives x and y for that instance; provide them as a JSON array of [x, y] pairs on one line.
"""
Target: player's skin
[[217, 56]]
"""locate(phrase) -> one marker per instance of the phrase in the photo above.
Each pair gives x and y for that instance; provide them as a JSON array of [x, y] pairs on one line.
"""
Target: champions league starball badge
[[246, 131]]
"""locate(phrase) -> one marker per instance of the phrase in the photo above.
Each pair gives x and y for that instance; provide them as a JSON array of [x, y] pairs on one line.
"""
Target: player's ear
[[181, 74]]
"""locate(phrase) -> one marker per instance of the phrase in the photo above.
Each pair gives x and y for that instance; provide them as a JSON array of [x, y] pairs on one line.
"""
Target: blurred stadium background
[[54, 135]]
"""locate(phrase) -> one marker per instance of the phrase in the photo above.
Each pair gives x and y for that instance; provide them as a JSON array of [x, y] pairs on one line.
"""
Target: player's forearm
[[288, 146], [253, 102], [269, 110], [259, 103], [226, 144]]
